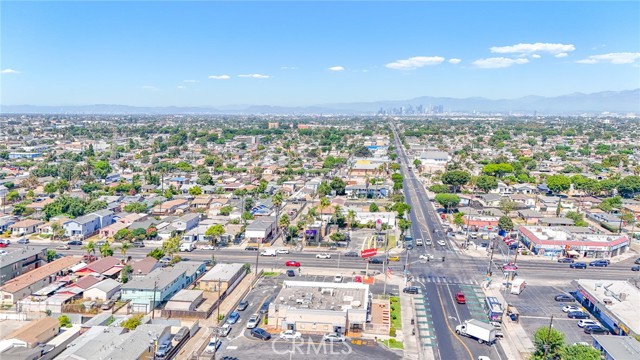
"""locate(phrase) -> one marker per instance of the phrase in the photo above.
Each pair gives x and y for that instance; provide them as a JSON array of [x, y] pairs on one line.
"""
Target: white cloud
[[454, 61], [336, 68], [181, 87], [613, 58], [254, 76], [415, 62], [498, 62], [525, 49], [150, 87], [191, 81], [561, 55], [9, 71], [288, 68], [220, 77], [536, 56]]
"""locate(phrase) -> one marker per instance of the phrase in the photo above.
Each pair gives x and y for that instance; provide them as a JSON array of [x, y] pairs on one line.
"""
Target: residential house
[[556, 221], [35, 332], [487, 200], [18, 262], [370, 191], [143, 266], [170, 207], [222, 278], [107, 266], [530, 216], [261, 230], [201, 202], [111, 230], [186, 222], [104, 290], [83, 226], [25, 227], [6, 221]]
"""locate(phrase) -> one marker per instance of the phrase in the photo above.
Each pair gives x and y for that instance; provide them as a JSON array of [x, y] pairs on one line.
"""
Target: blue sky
[[304, 53]]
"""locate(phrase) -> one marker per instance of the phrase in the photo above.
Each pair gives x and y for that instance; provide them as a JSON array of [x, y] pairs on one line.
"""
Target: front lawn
[[392, 344], [396, 317]]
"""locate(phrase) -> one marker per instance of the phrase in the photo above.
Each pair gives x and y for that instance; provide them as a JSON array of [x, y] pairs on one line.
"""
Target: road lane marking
[[456, 336]]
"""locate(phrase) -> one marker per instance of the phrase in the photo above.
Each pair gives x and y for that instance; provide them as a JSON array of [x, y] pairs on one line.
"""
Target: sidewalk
[[410, 341], [516, 343]]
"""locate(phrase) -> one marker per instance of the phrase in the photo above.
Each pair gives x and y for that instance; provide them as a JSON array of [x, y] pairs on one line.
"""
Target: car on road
[[323, 256], [599, 263], [428, 242], [338, 278], [394, 258], [243, 305], [333, 337], [637, 262], [291, 273], [4, 244], [426, 257], [410, 290], [260, 334], [264, 308], [63, 247], [293, 263], [3, 252], [290, 335], [254, 321], [74, 242], [635, 268], [570, 308], [225, 330], [565, 260], [441, 243], [376, 261], [595, 329], [208, 247], [578, 265], [578, 315], [460, 299], [564, 298], [23, 241], [251, 247], [511, 266], [282, 251], [587, 322], [213, 345], [233, 318], [138, 244], [351, 254], [100, 243]]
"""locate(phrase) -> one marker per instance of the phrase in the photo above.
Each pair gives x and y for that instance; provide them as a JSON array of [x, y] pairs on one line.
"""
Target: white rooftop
[[620, 297]]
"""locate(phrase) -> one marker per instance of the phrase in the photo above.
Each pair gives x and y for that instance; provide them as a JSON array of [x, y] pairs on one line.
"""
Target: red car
[[460, 298], [3, 244], [293, 263]]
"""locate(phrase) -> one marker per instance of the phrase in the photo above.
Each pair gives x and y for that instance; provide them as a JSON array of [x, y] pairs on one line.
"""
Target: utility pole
[[219, 300], [546, 343], [153, 309], [490, 259]]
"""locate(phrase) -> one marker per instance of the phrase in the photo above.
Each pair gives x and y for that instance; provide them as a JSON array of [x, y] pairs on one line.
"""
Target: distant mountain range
[[627, 101]]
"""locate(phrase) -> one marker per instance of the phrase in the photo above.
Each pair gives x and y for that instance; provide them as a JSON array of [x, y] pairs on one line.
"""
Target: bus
[[493, 308], [408, 238]]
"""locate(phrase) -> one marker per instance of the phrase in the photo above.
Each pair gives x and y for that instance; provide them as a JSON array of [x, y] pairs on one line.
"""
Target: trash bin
[[413, 321]]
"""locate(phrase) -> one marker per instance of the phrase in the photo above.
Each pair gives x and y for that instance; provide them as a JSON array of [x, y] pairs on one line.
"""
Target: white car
[[426, 257], [323, 256], [214, 344], [225, 330], [570, 308], [282, 251], [3, 252], [290, 335], [441, 243], [333, 337], [208, 247], [254, 321], [338, 278], [586, 322]]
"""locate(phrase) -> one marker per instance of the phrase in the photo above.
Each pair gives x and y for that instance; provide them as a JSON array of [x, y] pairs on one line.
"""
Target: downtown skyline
[[306, 53]]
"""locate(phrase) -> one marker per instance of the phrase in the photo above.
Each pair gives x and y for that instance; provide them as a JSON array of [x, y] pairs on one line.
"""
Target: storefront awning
[[573, 253]]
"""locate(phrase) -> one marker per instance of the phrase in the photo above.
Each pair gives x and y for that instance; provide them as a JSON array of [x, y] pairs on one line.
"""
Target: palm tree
[[106, 250], [351, 219], [90, 247], [337, 211], [123, 249], [277, 202], [284, 224]]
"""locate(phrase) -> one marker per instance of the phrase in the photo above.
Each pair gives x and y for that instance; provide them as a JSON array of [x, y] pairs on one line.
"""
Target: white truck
[[476, 329], [268, 252], [517, 286], [187, 246]]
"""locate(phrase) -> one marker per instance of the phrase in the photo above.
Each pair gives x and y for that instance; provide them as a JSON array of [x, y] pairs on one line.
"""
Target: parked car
[[410, 290], [578, 315], [108, 304], [181, 334], [254, 321], [333, 337], [587, 322], [264, 308], [213, 346], [599, 263], [460, 299], [596, 329], [351, 254], [233, 317], [23, 241], [564, 298], [164, 349], [74, 242], [565, 260], [323, 256], [290, 335], [578, 265], [570, 308], [242, 306], [260, 334], [208, 247], [225, 330], [293, 263], [291, 273]]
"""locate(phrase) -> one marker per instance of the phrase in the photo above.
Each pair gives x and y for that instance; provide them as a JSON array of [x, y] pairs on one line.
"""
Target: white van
[[419, 242], [268, 252], [187, 246]]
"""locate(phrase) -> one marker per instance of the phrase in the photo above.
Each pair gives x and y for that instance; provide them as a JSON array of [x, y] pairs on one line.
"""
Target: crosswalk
[[444, 280]]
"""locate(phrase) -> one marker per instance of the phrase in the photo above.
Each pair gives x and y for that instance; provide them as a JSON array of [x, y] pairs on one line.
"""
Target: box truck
[[187, 246], [517, 286], [476, 329]]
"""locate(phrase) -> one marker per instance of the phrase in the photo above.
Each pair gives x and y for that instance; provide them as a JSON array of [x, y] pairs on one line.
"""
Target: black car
[[291, 273], [578, 315], [74, 242], [637, 262], [599, 263], [265, 306], [596, 329], [138, 244], [260, 334], [410, 290], [565, 260], [376, 261], [564, 298], [578, 265], [242, 306], [635, 268], [351, 254]]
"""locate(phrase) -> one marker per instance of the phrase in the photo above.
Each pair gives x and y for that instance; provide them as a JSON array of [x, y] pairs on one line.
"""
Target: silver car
[[333, 337]]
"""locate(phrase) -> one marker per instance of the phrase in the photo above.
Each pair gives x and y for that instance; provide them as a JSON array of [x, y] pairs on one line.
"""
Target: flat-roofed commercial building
[[556, 241]]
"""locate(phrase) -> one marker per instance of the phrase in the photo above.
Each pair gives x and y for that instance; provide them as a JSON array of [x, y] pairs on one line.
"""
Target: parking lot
[[536, 304], [240, 344]]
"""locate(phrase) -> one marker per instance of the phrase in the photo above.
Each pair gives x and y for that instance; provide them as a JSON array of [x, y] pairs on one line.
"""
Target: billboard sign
[[366, 253]]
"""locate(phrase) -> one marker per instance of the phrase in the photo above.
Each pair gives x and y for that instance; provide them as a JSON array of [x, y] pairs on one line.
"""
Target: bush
[[133, 322], [392, 332], [65, 322]]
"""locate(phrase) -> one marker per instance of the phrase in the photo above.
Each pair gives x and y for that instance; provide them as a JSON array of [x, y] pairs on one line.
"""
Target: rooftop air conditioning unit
[[607, 301]]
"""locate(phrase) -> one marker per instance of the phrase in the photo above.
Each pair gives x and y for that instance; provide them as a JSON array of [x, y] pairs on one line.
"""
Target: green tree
[[350, 218], [122, 235], [455, 178], [106, 250], [50, 188], [577, 218], [403, 225], [196, 190], [125, 273], [135, 207], [505, 223], [458, 219], [225, 210], [65, 321], [51, 255], [629, 186], [123, 249], [157, 253], [506, 205], [439, 189], [90, 247], [448, 201], [133, 322], [558, 183], [214, 233], [579, 352], [338, 185], [95, 205], [550, 339], [284, 223], [101, 169], [373, 207], [12, 196], [486, 183], [171, 245], [498, 170]]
